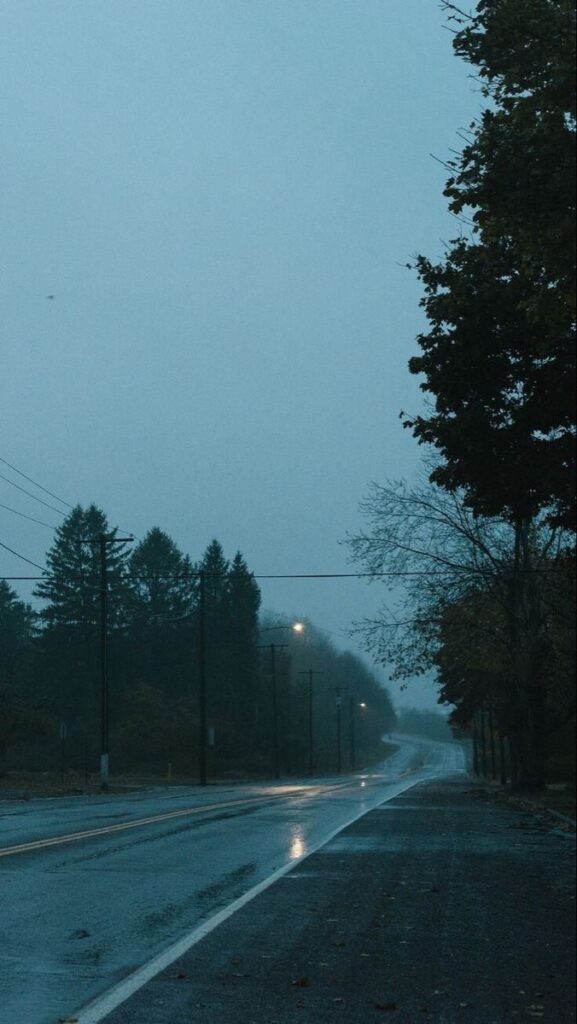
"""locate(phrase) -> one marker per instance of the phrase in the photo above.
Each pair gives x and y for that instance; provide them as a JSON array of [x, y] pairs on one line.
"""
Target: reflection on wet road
[[82, 910]]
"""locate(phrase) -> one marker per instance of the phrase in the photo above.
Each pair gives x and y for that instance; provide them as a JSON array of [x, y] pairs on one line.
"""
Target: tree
[[160, 637], [19, 706], [17, 629], [503, 387], [71, 615], [457, 613], [364, 714], [499, 358], [524, 53], [240, 634]]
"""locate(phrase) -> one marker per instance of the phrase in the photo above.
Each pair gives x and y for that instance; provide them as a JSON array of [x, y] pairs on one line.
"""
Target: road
[[92, 888]]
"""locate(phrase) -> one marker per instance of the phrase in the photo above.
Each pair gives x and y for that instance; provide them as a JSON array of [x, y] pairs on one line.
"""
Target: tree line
[[490, 538], [50, 684]]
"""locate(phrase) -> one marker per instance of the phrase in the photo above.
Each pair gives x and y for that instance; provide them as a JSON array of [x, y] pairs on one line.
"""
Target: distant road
[[93, 887]]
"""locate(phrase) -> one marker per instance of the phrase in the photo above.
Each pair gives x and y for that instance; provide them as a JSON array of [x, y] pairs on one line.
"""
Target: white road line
[[98, 1008]]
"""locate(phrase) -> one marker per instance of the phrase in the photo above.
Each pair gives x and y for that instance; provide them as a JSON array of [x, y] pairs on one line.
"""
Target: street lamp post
[[352, 731], [311, 673], [297, 627], [352, 724], [275, 732], [105, 539], [338, 701]]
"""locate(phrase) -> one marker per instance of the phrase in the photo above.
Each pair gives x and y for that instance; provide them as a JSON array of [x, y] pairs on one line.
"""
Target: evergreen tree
[[17, 629], [20, 717], [241, 637], [71, 615], [214, 568], [160, 640]]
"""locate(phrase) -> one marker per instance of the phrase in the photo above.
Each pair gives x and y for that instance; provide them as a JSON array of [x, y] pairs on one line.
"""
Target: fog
[[207, 209]]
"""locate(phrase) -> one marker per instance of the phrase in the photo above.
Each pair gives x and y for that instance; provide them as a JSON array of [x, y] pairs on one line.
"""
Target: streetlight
[[311, 673], [352, 705], [296, 627], [104, 539], [338, 702]]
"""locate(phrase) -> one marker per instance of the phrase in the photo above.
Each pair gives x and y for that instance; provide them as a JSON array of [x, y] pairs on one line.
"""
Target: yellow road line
[[42, 844]]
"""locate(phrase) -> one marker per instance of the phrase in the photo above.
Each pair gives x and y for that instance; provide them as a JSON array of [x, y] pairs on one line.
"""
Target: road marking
[[105, 830], [97, 1009]]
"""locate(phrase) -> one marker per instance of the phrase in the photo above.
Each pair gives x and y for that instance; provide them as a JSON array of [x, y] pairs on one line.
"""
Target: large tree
[[160, 635], [499, 357], [455, 610], [71, 589]]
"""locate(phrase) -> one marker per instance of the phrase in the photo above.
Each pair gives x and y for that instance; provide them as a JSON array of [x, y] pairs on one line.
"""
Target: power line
[[302, 576], [36, 484], [24, 516], [24, 559], [34, 496], [30, 495]]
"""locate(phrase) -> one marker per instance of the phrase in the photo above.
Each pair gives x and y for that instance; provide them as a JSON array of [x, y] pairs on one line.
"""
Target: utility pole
[[275, 730], [502, 758], [311, 673], [483, 742], [202, 747], [339, 701], [352, 732], [104, 752], [492, 742], [104, 539], [476, 768]]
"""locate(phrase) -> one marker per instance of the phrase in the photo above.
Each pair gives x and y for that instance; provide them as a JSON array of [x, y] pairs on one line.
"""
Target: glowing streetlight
[[296, 627]]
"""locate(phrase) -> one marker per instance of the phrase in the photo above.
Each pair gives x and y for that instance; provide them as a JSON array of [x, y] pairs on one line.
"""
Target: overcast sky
[[218, 194]]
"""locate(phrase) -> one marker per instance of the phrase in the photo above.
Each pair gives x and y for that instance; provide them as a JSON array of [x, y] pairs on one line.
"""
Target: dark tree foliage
[[503, 384], [17, 630], [50, 667], [517, 172], [159, 639], [499, 358], [352, 710], [71, 615], [240, 635], [497, 635], [21, 716]]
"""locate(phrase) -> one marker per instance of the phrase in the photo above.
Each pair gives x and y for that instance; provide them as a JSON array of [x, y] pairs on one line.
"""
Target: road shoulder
[[436, 906]]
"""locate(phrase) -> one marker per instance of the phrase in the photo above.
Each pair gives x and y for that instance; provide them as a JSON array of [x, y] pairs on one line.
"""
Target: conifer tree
[[161, 634], [71, 615]]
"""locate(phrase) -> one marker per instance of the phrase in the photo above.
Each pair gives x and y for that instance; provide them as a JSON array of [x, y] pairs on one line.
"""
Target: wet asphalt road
[[440, 907], [79, 915]]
